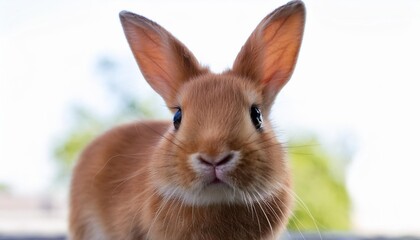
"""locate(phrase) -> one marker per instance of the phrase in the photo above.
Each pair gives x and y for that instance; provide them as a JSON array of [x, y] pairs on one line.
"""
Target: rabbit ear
[[164, 61], [270, 53]]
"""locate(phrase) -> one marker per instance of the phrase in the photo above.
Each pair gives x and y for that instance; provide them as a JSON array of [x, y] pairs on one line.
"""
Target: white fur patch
[[203, 194]]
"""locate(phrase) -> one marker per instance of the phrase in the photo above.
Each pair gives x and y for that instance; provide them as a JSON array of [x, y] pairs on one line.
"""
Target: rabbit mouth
[[217, 183], [217, 191], [216, 180]]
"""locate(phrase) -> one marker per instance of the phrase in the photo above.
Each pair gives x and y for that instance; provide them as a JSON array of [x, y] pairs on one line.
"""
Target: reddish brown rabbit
[[216, 171]]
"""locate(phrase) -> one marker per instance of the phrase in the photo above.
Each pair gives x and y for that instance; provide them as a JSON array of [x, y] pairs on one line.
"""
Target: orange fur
[[143, 181]]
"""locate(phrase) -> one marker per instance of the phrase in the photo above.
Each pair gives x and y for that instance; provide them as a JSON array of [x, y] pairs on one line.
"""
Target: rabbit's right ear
[[164, 61], [270, 53]]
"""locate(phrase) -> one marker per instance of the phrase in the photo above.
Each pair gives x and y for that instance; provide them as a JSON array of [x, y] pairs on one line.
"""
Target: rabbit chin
[[220, 193]]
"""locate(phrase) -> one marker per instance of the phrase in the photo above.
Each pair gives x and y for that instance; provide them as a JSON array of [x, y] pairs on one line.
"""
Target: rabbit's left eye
[[256, 117], [177, 118]]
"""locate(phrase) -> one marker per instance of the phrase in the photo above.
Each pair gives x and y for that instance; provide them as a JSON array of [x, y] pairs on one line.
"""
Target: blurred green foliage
[[66, 152], [88, 123], [322, 202], [87, 126]]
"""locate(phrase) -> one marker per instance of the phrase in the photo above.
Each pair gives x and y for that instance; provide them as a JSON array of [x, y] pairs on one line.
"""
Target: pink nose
[[215, 161]]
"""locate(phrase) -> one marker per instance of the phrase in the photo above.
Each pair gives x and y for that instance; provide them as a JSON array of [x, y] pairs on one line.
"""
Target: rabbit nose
[[214, 161]]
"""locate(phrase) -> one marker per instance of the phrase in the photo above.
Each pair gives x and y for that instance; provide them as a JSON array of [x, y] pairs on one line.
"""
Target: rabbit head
[[221, 147]]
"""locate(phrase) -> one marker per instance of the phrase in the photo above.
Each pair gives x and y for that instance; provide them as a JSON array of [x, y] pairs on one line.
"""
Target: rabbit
[[216, 171]]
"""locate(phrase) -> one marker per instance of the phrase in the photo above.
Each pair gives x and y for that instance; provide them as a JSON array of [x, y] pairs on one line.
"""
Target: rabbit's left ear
[[164, 61], [270, 53]]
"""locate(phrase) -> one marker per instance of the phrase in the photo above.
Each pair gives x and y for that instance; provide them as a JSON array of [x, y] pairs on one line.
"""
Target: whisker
[[164, 137], [255, 210], [300, 153], [290, 191], [289, 209], [173, 202], [266, 217], [140, 206], [264, 148], [103, 167], [259, 141], [161, 207], [269, 207], [300, 146]]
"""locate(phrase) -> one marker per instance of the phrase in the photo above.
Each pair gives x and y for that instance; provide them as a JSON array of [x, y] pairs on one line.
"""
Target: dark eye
[[256, 117], [177, 118]]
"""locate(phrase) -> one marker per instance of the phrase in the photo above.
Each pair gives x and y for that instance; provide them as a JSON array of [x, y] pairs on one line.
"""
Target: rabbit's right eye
[[256, 117], [177, 118]]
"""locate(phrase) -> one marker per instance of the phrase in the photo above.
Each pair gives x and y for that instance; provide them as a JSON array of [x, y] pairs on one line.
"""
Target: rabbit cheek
[[169, 169], [261, 166], [248, 175]]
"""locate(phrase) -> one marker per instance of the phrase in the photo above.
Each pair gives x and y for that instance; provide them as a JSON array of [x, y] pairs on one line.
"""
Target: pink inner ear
[[164, 61], [275, 81], [270, 53], [272, 85]]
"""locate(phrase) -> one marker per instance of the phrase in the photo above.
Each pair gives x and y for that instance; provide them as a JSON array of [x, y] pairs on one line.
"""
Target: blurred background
[[349, 116]]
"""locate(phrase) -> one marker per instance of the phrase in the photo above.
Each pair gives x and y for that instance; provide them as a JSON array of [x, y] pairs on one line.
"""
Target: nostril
[[222, 159], [204, 161], [225, 160]]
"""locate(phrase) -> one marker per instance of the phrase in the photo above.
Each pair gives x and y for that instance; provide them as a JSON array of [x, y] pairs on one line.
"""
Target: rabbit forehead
[[216, 112], [218, 93]]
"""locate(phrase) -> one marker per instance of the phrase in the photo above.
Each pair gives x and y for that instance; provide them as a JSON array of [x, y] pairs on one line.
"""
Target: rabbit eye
[[256, 117], [177, 118]]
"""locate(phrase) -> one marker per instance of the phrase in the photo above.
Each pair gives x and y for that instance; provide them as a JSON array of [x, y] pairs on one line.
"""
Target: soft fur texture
[[148, 180]]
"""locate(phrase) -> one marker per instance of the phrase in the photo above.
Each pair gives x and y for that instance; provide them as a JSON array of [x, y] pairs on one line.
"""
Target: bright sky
[[358, 75]]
